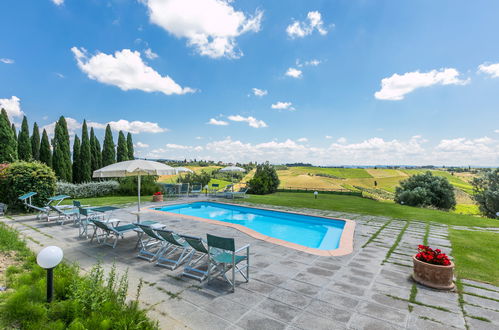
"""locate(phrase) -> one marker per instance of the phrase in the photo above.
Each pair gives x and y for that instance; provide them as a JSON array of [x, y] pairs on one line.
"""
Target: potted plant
[[157, 197], [433, 268]]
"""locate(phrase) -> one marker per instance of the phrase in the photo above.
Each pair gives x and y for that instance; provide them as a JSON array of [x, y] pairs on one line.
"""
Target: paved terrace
[[368, 289]]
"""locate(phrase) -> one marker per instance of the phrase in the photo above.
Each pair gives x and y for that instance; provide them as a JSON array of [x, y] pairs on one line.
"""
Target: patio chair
[[63, 215], [169, 189], [109, 230], [149, 248], [26, 199], [196, 189], [224, 257], [241, 193], [223, 193], [58, 200], [84, 223], [193, 267], [176, 244], [184, 189]]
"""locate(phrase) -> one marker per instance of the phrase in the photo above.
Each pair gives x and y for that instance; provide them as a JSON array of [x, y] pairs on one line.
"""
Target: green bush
[[22, 177], [202, 178], [148, 185], [88, 189], [426, 190], [486, 193], [265, 180]]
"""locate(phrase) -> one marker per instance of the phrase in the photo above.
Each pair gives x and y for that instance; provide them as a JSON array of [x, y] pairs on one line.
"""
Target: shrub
[[265, 180], [486, 193], [426, 190], [148, 185], [89, 189], [202, 178], [22, 177]]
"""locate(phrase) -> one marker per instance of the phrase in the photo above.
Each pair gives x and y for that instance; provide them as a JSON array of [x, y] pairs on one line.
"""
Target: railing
[[337, 191]]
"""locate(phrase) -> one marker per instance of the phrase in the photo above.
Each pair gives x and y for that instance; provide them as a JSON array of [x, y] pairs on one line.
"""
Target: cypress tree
[[95, 152], [121, 150], [61, 160], [129, 146], [76, 160], [35, 142], [15, 137], [85, 159], [45, 152], [108, 151], [8, 152], [24, 142]]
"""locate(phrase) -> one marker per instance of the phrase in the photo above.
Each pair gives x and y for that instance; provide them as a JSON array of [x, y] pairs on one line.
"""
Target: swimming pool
[[310, 232]]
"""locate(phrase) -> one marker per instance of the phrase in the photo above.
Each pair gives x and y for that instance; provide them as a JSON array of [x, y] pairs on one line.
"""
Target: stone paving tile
[[258, 321], [492, 304], [301, 287], [277, 310], [294, 299], [321, 308], [490, 315], [338, 299], [417, 323], [446, 300], [363, 322], [481, 292], [347, 288], [394, 316], [475, 324], [451, 319], [312, 321]]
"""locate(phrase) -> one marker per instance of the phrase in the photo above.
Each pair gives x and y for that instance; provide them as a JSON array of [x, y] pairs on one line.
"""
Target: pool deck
[[289, 289]]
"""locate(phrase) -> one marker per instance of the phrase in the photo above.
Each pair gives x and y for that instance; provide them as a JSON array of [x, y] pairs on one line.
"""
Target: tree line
[[76, 166]]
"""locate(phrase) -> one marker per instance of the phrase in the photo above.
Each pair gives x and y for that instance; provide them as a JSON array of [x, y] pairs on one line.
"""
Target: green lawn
[[476, 255], [109, 200], [343, 203], [338, 172]]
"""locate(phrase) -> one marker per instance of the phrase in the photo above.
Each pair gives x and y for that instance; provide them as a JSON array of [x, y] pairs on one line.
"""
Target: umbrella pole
[[138, 205]]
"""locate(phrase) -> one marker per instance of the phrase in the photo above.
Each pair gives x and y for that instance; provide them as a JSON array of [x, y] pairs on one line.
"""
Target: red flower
[[436, 257]]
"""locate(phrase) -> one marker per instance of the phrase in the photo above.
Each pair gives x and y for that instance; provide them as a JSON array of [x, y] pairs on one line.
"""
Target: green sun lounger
[[223, 257], [110, 231], [194, 268], [177, 245], [150, 245], [64, 215]]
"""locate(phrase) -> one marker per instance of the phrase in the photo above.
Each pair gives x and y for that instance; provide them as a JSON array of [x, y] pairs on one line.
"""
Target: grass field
[[476, 254], [353, 204]]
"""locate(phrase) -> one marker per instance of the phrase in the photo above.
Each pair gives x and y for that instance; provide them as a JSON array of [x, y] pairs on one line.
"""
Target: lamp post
[[48, 258], [315, 194]]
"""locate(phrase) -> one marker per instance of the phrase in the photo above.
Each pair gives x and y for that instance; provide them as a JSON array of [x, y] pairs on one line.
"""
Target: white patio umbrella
[[232, 169], [183, 169], [136, 168]]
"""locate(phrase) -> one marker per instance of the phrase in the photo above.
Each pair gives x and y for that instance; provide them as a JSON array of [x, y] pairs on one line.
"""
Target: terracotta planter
[[433, 276], [157, 198]]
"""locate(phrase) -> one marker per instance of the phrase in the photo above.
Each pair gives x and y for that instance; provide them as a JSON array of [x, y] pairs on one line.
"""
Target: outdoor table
[[105, 209]]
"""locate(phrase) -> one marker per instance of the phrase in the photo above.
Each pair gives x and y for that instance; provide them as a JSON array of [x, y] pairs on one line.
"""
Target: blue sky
[[326, 82]]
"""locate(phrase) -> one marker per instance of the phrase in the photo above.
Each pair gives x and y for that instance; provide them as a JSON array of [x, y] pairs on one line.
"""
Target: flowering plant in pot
[[157, 197], [433, 268]]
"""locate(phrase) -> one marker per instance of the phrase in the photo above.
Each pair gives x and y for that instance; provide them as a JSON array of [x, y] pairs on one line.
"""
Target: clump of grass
[[396, 243], [375, 235]]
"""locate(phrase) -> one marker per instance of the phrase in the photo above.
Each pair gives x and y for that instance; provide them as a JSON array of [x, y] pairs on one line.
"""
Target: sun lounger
[[194, 268], [196, 189], [110, 231], [150, 243], [223, 193], [42, 211], [184, 189], [63, 215], [177, 244], [241, 193], [223, 257]]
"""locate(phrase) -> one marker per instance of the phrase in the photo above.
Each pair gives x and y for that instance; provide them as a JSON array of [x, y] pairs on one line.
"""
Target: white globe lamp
[[48, 258]]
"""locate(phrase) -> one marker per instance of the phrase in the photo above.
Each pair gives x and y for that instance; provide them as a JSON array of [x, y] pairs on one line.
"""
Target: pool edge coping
[[345, 246]]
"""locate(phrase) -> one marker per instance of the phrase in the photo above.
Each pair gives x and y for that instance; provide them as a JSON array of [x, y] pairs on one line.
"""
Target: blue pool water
[[309, 231]]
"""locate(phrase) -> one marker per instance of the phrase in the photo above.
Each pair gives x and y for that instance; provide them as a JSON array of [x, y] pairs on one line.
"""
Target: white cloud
[[490, 69], [59, 75], [134, 127], [150, 54], [496, 131], [253, 122], [12, 106], [58, 2], [216, 122], [126, 70], [313, 22], [342, 140], [295, 73], [283, 106], [397, 86], [329, 137], [313, 62], [259, 92], [210, 26], [7, 60], [303, 139], [373, 151], [141, 145]]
